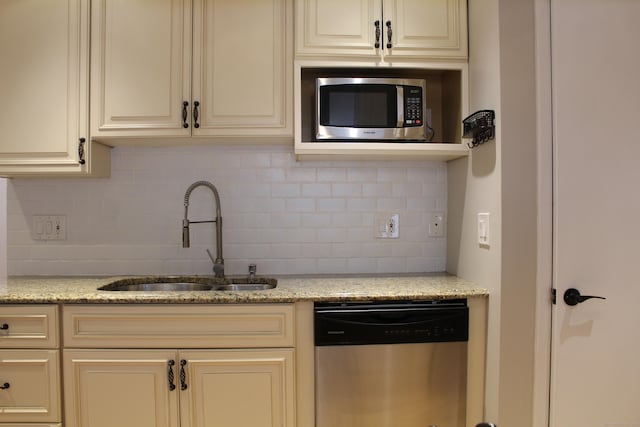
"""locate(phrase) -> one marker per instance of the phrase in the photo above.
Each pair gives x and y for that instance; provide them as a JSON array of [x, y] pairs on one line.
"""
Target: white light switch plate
[[49, 227], [484, 229]]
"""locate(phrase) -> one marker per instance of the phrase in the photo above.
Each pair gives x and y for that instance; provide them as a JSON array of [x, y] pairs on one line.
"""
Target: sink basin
[[190, 284], [246, 284], [164, 286]]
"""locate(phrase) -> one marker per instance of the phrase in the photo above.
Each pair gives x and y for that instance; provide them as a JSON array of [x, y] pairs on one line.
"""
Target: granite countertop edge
[[84, 290]]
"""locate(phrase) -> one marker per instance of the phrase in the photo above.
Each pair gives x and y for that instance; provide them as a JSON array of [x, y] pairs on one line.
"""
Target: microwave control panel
[[413, 106]]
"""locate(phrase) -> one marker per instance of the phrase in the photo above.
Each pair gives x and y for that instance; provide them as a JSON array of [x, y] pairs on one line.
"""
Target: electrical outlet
[[436, 224], [387, 226], [49, 227]]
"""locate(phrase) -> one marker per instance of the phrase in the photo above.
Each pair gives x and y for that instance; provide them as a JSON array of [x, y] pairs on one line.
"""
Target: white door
[[596, 102]]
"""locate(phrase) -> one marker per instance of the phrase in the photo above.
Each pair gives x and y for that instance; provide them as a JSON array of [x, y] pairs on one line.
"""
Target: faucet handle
[[218, 265]]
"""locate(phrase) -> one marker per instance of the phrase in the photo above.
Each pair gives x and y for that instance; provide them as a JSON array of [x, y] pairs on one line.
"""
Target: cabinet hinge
[[553, 296]]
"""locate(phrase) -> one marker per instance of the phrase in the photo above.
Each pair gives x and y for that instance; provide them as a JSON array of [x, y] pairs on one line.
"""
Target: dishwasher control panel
[[391, 322]]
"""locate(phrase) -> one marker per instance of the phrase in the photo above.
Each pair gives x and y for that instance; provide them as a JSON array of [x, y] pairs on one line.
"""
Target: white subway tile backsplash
[[288, 217]]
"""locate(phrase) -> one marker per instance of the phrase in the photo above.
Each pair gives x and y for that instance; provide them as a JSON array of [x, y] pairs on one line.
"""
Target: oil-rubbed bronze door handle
[[183, 375], [185, 124], [5, 386], [196, 104], [572, 297], [81, 159], [170, 377], [389, 34]]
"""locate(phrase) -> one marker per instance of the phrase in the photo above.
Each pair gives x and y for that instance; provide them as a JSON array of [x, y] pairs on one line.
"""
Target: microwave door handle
[[400, 103]]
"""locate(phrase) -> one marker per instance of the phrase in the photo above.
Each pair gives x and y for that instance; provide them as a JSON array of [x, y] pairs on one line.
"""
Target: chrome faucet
[[218, 262]]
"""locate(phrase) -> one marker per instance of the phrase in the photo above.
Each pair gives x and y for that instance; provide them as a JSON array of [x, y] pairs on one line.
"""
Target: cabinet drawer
[[28, 326], [32, 381], [183, 326]]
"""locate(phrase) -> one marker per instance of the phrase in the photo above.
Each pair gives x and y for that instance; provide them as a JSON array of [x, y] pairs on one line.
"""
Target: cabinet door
[[30, 381], [124, 388], [242, 68], [238, 388], [426, 28], [338, 28], [43, 86], [140, 67]]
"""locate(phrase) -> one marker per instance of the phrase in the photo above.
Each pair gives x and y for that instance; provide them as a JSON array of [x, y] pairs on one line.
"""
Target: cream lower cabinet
[[201, 386], [44, 88], [29, 366], [162, 388], [181, 68]]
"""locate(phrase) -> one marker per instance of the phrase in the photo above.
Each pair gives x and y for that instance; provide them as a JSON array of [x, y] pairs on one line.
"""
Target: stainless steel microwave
[[352, 109]]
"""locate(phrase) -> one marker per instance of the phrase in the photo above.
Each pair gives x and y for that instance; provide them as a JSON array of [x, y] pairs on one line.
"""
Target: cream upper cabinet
[[44, 81], [383, 30], [178, 68], [140, 66], [242, 67]]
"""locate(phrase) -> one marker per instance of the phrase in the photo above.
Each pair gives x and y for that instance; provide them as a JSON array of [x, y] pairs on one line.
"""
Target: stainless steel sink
[[146, 287], [246, 284], [189, 284]]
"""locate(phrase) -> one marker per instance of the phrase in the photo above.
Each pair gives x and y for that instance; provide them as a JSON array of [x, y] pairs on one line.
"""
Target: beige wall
[[500, 178]]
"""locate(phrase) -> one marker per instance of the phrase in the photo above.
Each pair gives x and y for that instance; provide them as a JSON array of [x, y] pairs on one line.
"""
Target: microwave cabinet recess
[[382, 30], [44, 108], [180, 365], [202, 68], [445, 103], [29, 365]]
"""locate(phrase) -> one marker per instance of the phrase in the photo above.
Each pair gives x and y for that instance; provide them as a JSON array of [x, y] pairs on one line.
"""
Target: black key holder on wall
[[480, 126]]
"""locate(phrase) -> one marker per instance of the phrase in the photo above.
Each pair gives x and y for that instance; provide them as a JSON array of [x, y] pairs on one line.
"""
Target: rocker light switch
[[483, 229]]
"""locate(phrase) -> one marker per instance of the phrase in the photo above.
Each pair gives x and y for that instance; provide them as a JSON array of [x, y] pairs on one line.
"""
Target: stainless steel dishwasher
[[383, 364]]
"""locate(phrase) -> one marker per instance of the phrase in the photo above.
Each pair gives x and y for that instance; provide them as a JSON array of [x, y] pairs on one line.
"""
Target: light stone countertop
[[83, 290]]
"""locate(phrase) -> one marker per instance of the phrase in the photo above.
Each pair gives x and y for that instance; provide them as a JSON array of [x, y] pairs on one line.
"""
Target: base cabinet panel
[[239, 388], [30, 381], [124, 388], [170, 388]]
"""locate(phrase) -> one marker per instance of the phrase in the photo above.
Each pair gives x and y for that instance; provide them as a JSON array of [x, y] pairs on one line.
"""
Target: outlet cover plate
[[436, 224], [387, 226]]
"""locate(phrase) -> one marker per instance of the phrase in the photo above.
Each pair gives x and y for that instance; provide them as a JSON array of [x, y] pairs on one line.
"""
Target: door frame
[[545, 215]]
